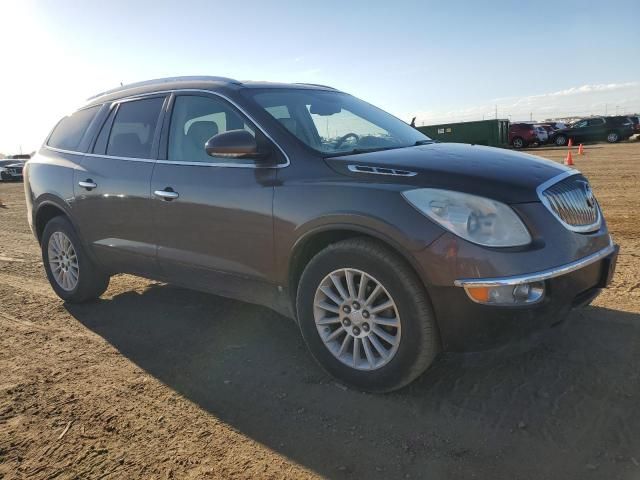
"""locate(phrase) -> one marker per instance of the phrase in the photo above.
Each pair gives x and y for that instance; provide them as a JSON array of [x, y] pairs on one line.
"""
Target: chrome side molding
[[537, 276]]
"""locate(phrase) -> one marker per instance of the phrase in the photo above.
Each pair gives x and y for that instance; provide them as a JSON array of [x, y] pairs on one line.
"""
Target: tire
[[417, 338], [560, 140], [518, 142], [90, 282], [613, 137], [5, 177]]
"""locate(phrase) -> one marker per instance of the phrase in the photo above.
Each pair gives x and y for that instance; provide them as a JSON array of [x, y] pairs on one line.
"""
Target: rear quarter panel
[[48, 179]]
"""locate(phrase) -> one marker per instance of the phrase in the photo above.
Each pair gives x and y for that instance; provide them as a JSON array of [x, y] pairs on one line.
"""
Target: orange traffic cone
[[580, 150], [569, 160], [570, 144]]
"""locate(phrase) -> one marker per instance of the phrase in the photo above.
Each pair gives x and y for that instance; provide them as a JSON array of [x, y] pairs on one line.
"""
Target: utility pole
[[496, 112], [531, 116], [605, 109]]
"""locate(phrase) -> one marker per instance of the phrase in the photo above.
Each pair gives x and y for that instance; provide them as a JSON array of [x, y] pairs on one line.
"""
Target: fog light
[[507, 294], [521, 292]]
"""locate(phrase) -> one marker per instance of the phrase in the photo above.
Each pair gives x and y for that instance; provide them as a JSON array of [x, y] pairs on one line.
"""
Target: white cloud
[[583, 100]]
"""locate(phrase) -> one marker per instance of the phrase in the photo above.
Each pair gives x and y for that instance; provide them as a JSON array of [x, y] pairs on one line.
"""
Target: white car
[[542, 134], [11, 170]]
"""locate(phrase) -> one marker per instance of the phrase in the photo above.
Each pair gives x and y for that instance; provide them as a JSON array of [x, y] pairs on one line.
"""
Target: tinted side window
[[134, 127], [103, 136], [195, 120], [594, 122], [70, 130]]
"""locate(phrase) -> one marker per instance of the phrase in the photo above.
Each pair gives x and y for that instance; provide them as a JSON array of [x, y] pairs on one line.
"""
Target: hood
[[504, 175]]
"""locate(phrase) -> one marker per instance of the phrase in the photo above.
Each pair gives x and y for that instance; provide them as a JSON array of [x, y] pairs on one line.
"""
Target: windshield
[[335, 123]]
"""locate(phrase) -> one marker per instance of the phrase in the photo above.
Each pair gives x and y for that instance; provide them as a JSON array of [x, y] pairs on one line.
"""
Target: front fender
[[300, 213]]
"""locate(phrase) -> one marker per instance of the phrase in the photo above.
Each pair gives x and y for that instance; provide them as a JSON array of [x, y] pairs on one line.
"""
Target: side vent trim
[[381, 171]]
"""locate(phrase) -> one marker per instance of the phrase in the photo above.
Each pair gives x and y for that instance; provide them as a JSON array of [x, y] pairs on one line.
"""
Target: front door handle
[[167, 194], [88, 184]]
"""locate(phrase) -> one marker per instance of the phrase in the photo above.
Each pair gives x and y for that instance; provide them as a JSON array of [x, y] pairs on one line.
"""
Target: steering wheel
[[343, 138]]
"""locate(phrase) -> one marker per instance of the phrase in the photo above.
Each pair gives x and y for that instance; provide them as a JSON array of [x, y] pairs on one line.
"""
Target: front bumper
[[466, 325]]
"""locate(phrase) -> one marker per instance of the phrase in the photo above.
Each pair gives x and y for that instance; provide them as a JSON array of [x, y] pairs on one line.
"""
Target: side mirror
[[233, 144]]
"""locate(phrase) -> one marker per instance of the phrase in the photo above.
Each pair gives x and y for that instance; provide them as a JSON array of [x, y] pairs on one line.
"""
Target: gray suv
[[385, 246]]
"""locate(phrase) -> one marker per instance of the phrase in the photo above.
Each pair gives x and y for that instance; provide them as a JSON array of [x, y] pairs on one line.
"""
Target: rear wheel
[[561, 140], [517, 142], [365, 316], [71, 273], [613, 137]]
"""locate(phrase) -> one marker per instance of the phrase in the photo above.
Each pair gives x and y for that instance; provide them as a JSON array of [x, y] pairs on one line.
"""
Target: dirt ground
[[155, 381]]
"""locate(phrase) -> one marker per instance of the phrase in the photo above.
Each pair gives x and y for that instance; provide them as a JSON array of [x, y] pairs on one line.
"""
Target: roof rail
[[315, 85], [165, 80]]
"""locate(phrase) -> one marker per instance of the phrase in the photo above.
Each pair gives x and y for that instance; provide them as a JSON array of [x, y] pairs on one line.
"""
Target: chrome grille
[[573, 203]]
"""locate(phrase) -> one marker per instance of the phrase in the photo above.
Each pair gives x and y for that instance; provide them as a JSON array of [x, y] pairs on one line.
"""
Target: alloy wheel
[[357, 319], [63, 261]]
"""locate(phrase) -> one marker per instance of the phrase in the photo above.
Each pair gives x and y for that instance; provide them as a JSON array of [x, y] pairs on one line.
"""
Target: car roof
[[191, 82]]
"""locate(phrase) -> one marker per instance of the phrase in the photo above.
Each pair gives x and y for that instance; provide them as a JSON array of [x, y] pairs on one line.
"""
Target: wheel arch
[[47, 208], [314, 241]]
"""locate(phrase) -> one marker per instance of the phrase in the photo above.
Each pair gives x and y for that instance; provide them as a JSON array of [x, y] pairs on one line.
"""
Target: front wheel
[[71, 273], [366, 317], [561, 140], [613, 137], [517, 142]]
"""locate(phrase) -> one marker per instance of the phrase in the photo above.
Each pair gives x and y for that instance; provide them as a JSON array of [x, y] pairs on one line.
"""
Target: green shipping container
[[493, 133]]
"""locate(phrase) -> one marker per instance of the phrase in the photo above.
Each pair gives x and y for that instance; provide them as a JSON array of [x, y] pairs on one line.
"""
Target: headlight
[[477, 219]]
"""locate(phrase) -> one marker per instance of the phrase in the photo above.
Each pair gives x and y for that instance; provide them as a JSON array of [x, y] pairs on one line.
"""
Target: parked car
[[549, 129], [635, 119], [557, 125], [11, 170], [611, 129], [385, 247], [522, 135], [542, 134]]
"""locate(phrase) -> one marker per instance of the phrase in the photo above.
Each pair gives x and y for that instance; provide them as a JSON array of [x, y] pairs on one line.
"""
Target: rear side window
[[134, 127], [70, 130]]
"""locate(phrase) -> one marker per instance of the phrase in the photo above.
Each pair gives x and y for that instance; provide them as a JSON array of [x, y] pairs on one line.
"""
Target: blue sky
[[443, 60]]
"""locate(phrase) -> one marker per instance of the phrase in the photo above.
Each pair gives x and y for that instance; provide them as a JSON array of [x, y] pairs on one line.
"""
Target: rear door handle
[[88, 184], [166, 194]]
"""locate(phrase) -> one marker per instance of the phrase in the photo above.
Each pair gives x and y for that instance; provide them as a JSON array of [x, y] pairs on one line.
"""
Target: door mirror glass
[[233, 144]]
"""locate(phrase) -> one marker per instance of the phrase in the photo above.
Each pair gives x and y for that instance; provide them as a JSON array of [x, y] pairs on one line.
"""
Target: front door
[[596, 129], [112, 187], [212, 216]]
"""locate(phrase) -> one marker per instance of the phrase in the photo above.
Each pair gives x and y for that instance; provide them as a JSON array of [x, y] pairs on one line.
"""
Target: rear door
[[215, 229], [113, 198]]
